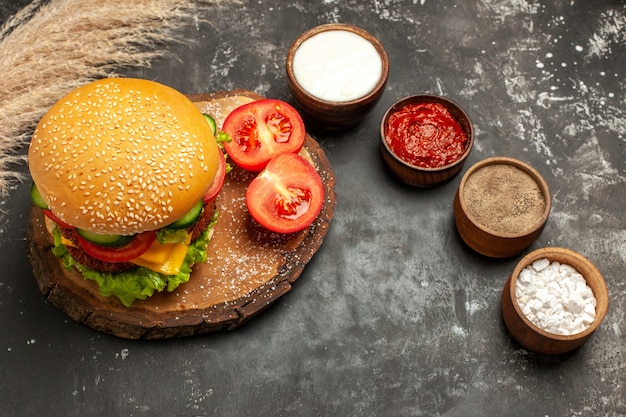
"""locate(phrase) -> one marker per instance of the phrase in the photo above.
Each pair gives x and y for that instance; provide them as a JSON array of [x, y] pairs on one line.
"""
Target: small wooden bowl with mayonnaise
[[552, 314], [336, 73]]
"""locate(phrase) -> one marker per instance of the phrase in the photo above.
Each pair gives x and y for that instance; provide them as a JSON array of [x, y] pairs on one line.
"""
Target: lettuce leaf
[[139, 283]]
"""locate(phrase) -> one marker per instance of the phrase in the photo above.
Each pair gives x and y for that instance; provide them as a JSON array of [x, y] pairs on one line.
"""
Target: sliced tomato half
[[287, 195], [218, 181], [135, 248], [261, 130]]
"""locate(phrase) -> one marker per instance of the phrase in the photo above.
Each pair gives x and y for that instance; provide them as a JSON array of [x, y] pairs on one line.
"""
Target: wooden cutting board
[[248, 268]]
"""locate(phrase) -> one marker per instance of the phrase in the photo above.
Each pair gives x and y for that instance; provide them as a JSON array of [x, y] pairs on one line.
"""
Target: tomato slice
[[287, 195], [261, 130], [139, 245], [218, 181], [54, 218]]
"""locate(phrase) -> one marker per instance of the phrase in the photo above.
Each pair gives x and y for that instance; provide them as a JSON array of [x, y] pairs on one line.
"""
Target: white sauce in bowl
[[337, 65]]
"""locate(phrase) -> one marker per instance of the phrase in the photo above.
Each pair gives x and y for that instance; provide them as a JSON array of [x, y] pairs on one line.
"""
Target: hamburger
[[248, 267], [126, 172]]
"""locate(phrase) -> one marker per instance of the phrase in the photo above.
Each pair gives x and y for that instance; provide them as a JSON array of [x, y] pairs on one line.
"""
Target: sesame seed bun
[[122, 156]]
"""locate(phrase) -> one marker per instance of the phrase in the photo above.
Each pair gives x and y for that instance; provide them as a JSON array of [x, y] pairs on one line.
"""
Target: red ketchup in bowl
[[425, 135]]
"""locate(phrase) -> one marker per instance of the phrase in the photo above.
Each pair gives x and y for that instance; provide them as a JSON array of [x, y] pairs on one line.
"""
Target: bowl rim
[[567, 253], [376, 90], [505, 160], [430, 98]]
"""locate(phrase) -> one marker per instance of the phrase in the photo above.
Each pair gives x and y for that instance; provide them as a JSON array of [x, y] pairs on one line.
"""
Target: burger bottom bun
[[248, 267]]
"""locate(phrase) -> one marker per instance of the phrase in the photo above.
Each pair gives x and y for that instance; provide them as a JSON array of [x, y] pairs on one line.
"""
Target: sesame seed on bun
[[122, 156]]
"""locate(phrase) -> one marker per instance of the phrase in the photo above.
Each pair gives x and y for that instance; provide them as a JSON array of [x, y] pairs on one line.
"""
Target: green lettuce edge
[[142, 282]]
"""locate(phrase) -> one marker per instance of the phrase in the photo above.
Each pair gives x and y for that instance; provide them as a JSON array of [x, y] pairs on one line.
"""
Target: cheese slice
[[164, 258]]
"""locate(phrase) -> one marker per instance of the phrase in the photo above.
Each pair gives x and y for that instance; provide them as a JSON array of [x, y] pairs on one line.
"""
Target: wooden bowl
[[420, 176], [324, 111], [534, 338], [501, 206]]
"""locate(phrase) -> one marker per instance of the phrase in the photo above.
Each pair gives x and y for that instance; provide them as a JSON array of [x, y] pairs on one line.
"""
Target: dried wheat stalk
[[51, 47]]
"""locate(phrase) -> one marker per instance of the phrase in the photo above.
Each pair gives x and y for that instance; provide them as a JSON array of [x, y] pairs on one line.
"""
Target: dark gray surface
[[394, 316]]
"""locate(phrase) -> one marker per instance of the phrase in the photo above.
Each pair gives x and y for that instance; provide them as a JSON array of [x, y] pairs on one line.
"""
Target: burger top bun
[[122, 156]]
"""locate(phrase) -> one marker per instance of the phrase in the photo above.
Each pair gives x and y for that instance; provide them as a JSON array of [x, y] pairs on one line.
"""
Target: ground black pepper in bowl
[[504, 198], [501, 206]]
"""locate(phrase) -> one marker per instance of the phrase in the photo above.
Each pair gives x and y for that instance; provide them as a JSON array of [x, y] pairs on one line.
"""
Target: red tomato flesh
[[54, 218], [218, 181], [261, 130], [138, 246], [287, 195]]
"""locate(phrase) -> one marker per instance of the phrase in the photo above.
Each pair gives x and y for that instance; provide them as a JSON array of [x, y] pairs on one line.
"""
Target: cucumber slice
[[35, 195], [211, 122], [109, 241], [190, 218]]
